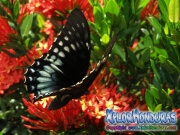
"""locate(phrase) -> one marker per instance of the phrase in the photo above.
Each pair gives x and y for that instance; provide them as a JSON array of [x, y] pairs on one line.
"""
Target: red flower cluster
[[48, 30], [150, 9], [178, 112], [67, 117], [8, 71], [91, 108], [5, 30], [11, 68], [62, 6], [100, 98]]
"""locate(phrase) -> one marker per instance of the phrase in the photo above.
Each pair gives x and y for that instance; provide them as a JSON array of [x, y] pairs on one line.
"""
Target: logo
[[136, 120]]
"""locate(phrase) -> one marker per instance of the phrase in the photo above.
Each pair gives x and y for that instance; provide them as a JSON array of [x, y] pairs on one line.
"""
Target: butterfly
[[61, 72]]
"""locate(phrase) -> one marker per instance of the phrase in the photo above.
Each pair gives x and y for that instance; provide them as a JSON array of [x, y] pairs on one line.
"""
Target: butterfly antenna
[[111, 44]]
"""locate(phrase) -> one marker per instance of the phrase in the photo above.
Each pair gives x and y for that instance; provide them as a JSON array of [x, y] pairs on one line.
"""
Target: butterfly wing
[[79, 89], [66, 62]]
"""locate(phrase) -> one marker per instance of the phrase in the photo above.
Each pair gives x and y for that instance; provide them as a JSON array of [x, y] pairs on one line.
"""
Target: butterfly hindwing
[[66, 62]]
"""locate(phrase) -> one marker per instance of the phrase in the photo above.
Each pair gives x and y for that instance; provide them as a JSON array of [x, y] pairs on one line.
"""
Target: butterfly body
[[61, 72]]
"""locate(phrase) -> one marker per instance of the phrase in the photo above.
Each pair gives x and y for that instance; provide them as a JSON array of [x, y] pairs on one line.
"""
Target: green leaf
[[146, 55], [26, 25], [148, 41], [27, 41], [174, 11], [140, 64], [161, 51], [156, 72], [167, 99], [96, 48], [142, 3], [98, 15], [112, 8], [115, 71], [149, 100], [16, 9], [105, 39], [173, 66], [156, 83], [166, 29], [165, 64], [40, 19], [162, 58], [158, 108], [145, 31], [104, 29], [154, 97], [112, 11], [168, 65], [123, 23], [155, 24], [155, 92], [91, 2], [93, 26], [175, 36], [132, 57], [132, 6], [164, 10], [131, 29], [117, 49]]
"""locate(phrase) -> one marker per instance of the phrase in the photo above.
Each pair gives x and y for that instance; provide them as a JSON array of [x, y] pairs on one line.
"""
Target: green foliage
[[157, 51], [154, 100], [174, 10], [26, 25], [16, 9]]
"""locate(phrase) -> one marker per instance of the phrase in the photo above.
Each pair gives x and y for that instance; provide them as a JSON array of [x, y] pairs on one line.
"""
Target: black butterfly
[[60, 72]]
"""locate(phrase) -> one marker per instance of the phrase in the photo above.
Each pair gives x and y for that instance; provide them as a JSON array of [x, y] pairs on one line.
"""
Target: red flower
[[9, 73], [45, 7], [64, 118], [134, 44], [150, 9], [11, 68], [5, 30], [178, 112], [65, 5], [50, 7], [101, 97], [101, 2], [172, 92], [143, 91], [23, 11], [48, 30]]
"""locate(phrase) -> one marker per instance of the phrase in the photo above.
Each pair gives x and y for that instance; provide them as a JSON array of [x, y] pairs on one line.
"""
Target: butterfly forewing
[[66, 62], [75, 91]]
